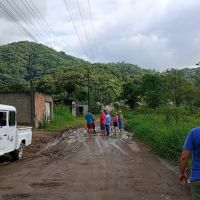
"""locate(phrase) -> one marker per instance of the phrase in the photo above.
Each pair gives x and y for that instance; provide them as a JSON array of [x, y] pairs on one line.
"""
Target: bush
[[164, 131], [62, 119]]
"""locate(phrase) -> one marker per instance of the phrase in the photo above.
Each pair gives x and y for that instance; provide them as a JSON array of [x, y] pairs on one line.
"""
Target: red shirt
[[115, 119], [103, 118]]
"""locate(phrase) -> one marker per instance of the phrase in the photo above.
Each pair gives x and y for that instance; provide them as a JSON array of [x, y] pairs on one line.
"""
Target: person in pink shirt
[[115, 123], [102, 122]]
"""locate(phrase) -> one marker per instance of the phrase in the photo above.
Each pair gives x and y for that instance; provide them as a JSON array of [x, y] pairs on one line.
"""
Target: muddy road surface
[[75, 166]]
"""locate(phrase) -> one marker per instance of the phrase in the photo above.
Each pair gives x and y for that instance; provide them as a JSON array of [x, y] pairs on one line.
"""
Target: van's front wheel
[[17, 154]]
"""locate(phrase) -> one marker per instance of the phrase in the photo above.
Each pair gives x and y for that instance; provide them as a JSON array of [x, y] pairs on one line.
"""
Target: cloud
[[140, 48], [153, 34], [168, 33]]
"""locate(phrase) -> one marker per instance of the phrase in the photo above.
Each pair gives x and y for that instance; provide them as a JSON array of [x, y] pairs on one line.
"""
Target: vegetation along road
[[76, 166]]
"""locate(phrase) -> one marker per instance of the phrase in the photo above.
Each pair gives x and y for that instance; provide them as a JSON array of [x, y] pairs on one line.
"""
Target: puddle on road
[[102, 143], [78, 135]]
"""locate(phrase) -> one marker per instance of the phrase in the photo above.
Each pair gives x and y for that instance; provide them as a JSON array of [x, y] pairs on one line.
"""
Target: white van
[[12, 138]]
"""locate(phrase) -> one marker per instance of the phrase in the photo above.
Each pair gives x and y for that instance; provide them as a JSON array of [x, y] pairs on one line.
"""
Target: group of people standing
[[106, 121]]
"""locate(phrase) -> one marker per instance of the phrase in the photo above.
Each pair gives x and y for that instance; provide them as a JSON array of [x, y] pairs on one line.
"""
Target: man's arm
[[182, 165]]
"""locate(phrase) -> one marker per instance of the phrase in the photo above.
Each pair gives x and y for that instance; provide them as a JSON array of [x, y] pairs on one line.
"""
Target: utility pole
[[95, 97], [88, 80], [30, 71], [101, 105], [31, 90]]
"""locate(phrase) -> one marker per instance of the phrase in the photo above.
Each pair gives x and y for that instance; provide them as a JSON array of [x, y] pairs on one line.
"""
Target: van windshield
[[2, 119]]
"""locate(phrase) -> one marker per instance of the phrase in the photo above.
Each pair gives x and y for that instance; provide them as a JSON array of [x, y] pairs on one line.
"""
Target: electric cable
[[40, 16], [84, 27], [27, 21], [91, 19], [71, 18], [13, 19], [35, 19]]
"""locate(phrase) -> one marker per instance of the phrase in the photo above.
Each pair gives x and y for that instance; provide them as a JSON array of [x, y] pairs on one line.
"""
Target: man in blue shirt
[[90, 120], [108, 122], [192, 145]]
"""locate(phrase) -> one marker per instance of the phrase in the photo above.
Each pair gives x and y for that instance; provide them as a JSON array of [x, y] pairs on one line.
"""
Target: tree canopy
[[66, 77]]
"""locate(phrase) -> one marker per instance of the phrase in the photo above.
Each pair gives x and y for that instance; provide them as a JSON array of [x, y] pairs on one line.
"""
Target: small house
[[33, 109]]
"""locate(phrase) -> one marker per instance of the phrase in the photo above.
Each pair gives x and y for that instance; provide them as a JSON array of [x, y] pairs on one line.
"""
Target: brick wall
[[40, 100]]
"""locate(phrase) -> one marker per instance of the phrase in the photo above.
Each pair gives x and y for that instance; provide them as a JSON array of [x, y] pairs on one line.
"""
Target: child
[[115, 123]]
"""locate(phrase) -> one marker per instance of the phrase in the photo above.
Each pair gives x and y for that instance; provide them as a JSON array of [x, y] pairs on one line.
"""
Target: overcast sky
[[157, 34]]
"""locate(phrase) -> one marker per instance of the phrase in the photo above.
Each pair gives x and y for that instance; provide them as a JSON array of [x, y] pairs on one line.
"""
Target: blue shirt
[[89, 118], [192, 143], [108, 119]]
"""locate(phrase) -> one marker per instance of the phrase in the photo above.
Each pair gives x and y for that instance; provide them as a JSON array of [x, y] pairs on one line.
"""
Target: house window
[[12, 120]]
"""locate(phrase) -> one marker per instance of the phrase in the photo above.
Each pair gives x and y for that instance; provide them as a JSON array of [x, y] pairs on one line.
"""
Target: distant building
[[78, 110], [32, 110], [82, 109]]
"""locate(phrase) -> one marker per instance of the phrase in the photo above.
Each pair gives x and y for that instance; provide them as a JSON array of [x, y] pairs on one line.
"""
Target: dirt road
[[75, 166]]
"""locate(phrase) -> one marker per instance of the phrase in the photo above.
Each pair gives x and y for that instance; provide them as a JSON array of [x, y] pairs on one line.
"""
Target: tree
[[192, 96], [196, 77], [131, 92], [153, 90], [176, 86]]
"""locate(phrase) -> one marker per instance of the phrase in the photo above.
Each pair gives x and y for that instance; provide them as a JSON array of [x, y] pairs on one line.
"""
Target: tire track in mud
[[43, 163], [78, 166]]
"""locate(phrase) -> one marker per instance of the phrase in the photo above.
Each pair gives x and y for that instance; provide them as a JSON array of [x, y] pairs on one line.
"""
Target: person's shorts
[[90, 126], [102, 126], [195, 190], [115, 124]]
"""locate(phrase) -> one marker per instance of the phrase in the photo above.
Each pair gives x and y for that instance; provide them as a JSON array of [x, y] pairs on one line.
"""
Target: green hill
[[66, 77], [192, 75], [50, 66], [14, 59]]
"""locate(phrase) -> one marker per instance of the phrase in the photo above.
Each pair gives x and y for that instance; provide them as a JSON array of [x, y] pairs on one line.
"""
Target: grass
[[162, 133], [63, 119]]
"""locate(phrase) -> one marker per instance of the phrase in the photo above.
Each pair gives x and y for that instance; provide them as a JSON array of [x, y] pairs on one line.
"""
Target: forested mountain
[[14, 61], [66, 77], [59, 74], [192, 75]]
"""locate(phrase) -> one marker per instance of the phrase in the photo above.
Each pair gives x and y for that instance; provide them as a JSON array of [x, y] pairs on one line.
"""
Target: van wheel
[[17, 154]]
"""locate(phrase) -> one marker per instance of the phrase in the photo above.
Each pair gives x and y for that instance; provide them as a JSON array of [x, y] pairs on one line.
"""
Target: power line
[[34, 17], [13, 19], [27, 21], [40, 16], [84, 50], [83, 23], [16, 15], [91, 19]]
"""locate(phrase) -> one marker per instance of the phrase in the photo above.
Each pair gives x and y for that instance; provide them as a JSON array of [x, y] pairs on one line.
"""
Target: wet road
[[79, 167]]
